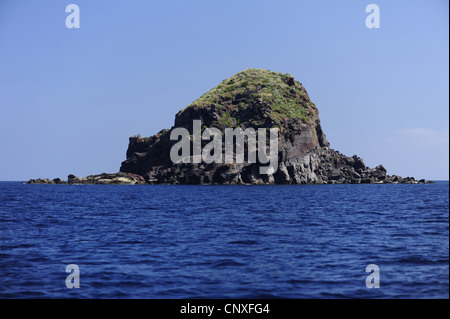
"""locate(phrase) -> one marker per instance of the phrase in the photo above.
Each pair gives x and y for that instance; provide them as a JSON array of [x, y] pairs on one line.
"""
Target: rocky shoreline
[[119, 179], [100, 179]]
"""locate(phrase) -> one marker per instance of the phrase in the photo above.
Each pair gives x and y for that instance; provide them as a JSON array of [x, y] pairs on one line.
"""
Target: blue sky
[[70, 98]]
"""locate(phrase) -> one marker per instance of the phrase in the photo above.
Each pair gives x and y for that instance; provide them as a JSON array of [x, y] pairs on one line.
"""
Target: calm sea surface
[[304, 241]]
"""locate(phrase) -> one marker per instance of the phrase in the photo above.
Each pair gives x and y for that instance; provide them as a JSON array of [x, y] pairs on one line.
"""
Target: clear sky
[[70, 98]]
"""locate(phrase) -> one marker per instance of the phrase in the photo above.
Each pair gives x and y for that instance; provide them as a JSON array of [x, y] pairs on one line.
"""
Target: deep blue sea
[[161, 241]]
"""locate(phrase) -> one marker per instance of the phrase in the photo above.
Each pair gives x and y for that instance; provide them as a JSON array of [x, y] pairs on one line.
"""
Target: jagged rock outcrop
[[251, 99], [254, 99]]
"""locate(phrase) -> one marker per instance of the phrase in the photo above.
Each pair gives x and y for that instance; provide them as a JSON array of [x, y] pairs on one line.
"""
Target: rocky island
[[253, 98]]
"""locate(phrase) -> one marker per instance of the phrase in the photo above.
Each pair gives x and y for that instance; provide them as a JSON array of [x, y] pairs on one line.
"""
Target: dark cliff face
[[254, 99]]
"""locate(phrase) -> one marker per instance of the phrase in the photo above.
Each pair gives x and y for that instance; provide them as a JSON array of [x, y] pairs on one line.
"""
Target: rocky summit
[[253, 98]]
